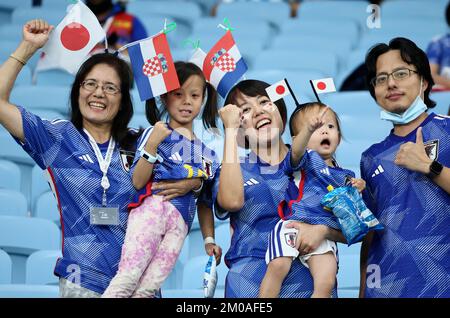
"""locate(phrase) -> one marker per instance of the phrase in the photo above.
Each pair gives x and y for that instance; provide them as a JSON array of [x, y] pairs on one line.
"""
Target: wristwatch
[[435, 169], [151, 158]]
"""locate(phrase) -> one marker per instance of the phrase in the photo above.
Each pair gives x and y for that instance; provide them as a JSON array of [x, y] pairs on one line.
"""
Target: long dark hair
[[410, 53], [119, 129], [184, 71]]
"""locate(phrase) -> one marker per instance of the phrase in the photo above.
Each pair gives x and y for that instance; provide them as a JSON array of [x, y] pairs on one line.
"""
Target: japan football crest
[[432, 149], [290, 238]]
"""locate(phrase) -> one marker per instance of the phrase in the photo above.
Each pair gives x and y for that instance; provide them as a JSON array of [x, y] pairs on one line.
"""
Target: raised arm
[[313, 121], [144, 169], [35, 35], [231, 182]]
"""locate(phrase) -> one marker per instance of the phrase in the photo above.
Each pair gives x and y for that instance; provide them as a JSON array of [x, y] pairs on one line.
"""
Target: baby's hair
[[303, 108], [184, 71]]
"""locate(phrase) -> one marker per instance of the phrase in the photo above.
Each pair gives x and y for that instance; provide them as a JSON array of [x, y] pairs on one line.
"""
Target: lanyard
[[103, 162]]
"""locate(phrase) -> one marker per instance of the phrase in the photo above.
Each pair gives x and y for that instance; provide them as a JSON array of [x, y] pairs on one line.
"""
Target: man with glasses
[[408, 180]]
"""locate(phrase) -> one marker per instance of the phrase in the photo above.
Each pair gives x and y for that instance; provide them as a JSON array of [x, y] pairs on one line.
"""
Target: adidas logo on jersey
[[176, 157], [250, 182], [378, 170], [325, 171], [86, 158]]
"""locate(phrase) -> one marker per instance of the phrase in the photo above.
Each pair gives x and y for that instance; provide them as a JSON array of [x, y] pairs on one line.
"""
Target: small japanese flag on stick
[[279, 90], [323, 85]]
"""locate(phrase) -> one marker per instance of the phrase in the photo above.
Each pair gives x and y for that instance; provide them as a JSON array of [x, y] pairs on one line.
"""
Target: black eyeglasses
[[108, 88], [398, 75]]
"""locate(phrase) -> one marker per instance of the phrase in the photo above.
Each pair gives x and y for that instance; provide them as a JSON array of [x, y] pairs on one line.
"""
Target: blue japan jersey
[[182, 159], [412, 254], [264, 187], [92, 251], [318, 175]]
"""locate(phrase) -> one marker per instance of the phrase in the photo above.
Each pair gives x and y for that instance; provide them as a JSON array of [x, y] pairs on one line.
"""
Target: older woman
[[86, 159], [249, 190]]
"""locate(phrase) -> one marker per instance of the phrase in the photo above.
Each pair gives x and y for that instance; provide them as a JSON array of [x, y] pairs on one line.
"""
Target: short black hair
[[410, 53]]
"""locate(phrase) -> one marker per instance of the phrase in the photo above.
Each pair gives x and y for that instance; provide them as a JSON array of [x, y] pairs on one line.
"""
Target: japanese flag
[[72, 40], [324, 85], [277, 90]]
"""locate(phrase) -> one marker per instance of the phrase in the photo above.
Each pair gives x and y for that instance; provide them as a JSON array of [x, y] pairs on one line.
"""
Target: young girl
[[158, 226], [316, 135]]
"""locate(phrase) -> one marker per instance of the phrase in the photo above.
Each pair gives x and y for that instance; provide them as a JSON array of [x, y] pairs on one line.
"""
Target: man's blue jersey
[[317, 177], [264, 187], [182, 159], [412, 254], [91, 253]]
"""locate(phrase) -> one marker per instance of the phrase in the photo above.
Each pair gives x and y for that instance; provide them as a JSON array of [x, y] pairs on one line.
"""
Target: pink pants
[[155, 235]]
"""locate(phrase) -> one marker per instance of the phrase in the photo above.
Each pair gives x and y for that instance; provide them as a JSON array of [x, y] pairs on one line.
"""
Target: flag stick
[[314, 90], [297, 104]]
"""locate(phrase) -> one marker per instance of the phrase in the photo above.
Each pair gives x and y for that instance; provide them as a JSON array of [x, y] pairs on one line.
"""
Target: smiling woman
[[92, 194]]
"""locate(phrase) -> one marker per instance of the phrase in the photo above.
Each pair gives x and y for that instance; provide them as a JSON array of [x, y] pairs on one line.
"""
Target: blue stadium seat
[[10, 175], [21, 236], [319, 61], [348, 273], [274, 12], [334, 10], [348, 293], [139, 120], [40, 266], [375, 36], [340, 29], [415, 9], [8, 4], [13, 203], [193, 272], [138, 105], [177, 9], [442, 100], [54, 77], [349, 152], [47, 208], [54, 4], [53, 16], [39, 185], [223, 236], [11, 150], [37, 97], [182, 293], [48, 114], [358, 103], [354, 249], [28, 291], [5, 268]]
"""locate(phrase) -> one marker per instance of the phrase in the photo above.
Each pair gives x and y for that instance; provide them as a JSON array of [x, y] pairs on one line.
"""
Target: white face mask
[[414, 110]]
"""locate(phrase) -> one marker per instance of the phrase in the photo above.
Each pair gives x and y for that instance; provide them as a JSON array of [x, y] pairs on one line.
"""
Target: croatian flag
[[72, 40], [223, 65], [153, 68]]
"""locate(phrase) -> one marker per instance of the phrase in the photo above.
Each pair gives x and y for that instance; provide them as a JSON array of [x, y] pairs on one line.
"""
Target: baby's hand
[[314, 119], [359, 184]]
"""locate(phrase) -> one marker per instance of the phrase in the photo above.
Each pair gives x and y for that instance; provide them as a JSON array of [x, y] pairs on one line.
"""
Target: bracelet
[[209, 240], [150, 158], [18, 59]]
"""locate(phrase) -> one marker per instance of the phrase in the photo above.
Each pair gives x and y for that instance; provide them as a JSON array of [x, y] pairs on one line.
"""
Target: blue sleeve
[[286, 164], [139, 31], [209, 196], [434, 52], [367, 194], [41, 137]]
